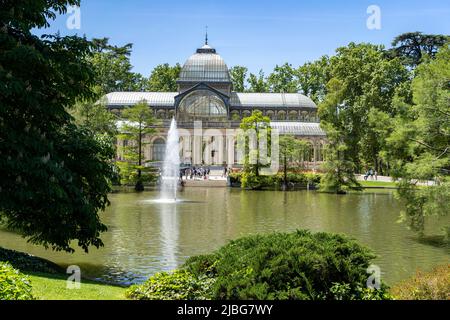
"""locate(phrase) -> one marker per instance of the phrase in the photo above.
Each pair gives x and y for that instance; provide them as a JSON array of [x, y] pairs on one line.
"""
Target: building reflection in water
[[169, 235]]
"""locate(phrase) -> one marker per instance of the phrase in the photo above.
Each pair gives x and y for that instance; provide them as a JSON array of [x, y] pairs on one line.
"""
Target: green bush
[[298, 265], [13, 284], [128, 173], [313, 178], [249, 180], [27, 262], [343, 291], [432, 285], [235, 177], [179, 285]]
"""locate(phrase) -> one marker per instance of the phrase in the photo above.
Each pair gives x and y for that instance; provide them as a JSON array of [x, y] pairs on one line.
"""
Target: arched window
[[304, 116], [161, 114], [202, 105], [246, 113], [281, 115], [293, 115], [235, 115], [308, 154], [319, 152], [159, 149]]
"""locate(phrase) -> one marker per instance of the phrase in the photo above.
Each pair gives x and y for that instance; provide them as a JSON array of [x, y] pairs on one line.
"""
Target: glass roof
[[298, 128], [205, 66], [238, 100]]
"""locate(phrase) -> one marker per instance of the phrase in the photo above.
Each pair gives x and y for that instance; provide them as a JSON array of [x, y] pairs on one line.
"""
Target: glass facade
[[159, 148], [202, 105]]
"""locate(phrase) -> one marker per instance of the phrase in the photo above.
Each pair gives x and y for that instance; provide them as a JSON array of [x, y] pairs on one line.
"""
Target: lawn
[[377, 184], [53, 287]]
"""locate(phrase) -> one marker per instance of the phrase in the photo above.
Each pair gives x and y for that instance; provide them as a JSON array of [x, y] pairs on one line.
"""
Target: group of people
[[195, 173], [371, 173]]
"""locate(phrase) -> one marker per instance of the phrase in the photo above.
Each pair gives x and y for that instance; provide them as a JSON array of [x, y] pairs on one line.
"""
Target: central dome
[[205, 66]]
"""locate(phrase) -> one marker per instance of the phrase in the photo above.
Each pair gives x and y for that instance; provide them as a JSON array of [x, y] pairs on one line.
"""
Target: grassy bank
[[49, 282], [378, 184], [53, 287]]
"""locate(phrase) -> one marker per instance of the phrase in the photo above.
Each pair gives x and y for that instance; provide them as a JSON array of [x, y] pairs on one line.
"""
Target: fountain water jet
[[171, 166]]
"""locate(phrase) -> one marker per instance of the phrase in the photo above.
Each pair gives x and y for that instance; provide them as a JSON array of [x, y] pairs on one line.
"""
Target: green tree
[[410, 47], [339, 166], [419, 145], [113, 68], [363, 84], [55, 176], [164, 78], [93, 115], [312, 78], [260, 126], [283, 79], [258, 83], [291, 150], [139, 122], [238, 77]]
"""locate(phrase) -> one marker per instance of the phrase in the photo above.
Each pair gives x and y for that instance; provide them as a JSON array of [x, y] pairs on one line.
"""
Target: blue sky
[[255, 33]]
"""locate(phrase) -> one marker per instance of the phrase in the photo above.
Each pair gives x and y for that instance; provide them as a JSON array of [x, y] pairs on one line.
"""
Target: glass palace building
[[205, 95]]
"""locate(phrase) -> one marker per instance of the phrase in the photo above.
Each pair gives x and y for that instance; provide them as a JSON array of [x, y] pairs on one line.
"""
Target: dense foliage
[[238, 76], [13, 284], [138, 123], [55, 176], [363, 84], [418, 146], [432, 285], [164, 78], [93, 115], [249, 180], [291, 151], [27, 262], [310, 79], [388, 110], [178, 285], [256, 131], [412, 47], [298, 265], [112, 67]]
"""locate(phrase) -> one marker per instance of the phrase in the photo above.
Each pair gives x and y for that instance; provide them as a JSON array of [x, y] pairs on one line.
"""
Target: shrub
[[298, 265], [179, 285], [235, 177], [27, 262], [249, 180], [129, 175], [313, 178], [432, 285], [13, 284], [343, 291]]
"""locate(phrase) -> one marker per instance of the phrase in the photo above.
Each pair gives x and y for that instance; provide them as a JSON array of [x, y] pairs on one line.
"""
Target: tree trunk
[[139, 185], [375, 163], [285, 173]]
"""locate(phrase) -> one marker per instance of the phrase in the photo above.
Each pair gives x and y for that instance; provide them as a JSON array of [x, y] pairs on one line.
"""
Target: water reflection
[[145, 237], [169, 235]]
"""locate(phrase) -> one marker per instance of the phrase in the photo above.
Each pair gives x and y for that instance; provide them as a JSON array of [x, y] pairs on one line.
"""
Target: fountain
[[171, 166]]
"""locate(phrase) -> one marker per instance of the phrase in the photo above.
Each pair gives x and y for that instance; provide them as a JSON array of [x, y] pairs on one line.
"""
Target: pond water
[[146, 237]]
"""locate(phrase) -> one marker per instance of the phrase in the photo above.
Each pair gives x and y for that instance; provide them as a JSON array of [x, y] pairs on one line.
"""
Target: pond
[[146, 237]]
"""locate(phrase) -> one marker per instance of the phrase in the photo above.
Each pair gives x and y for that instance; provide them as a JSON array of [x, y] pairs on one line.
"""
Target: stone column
[[315, 155], [230, 150]]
